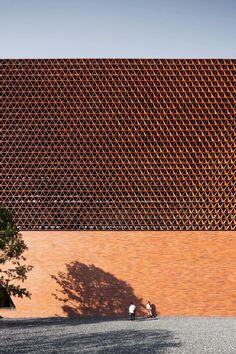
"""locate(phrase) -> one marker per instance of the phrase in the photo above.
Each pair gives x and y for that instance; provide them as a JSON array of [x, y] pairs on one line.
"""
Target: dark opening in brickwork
[[5, 300]]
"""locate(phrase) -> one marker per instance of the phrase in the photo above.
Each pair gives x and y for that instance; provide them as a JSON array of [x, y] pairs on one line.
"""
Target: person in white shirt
[[132, 309], [149, 309]]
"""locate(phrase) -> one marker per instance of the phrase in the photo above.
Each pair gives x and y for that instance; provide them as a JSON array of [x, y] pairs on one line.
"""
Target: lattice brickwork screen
[[118, 144]]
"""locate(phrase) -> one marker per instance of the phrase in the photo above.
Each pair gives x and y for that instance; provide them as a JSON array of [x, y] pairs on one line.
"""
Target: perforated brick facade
[[118, 144]]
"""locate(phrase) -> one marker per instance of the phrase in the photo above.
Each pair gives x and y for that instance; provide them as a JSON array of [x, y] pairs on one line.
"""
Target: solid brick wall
[[183, 273]]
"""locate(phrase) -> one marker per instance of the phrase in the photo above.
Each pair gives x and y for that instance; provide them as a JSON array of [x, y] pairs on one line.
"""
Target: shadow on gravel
[[86, 290], [56, 321], [59, 321], [120, 341]]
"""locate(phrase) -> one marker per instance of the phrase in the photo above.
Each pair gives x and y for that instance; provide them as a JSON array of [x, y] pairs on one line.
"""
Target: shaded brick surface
[[183, 273]]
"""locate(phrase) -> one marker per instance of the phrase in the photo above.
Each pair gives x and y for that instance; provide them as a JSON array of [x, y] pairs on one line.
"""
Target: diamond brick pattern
[[122, 144]]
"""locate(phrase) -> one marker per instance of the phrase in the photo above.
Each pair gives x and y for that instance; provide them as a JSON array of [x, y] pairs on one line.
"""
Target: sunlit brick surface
[[184, 273], [118, 144]]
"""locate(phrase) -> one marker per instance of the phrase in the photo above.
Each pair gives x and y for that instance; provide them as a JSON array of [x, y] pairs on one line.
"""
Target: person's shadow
[[155, 312], [86, 290]]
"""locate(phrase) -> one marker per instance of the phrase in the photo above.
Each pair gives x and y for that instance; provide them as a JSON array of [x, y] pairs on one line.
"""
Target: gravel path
[[179, 335]]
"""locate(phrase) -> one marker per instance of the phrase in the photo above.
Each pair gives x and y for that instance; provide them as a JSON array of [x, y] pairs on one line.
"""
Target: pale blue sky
[[117, 28]]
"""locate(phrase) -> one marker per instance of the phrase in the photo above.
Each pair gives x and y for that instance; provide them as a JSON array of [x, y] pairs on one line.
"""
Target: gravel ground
[[180, 335]]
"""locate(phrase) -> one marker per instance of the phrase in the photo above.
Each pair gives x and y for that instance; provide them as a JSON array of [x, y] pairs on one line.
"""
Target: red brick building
[[121, 176]]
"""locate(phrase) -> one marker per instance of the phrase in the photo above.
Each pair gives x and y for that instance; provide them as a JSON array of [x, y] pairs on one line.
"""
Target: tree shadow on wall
[[86, 290]]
